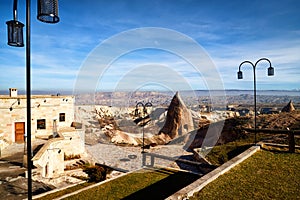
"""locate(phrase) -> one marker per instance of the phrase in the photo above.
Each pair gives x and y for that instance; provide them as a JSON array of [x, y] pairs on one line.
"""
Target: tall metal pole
[[48, 12], [28, 99], [148, 104], [240, 76], [143, 147], [255, 109]]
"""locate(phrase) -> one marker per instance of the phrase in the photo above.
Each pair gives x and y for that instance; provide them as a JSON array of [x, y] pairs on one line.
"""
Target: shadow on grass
[[238, 150], [165, 187]]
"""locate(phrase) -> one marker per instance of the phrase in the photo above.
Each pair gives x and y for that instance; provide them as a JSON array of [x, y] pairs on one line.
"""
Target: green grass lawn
[[265, 175], [144, 184], [63, 192], [222, 153]]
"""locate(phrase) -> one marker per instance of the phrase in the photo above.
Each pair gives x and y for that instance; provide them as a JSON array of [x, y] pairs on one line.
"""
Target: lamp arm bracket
[[266, 59], [246, 62], [15, 8]]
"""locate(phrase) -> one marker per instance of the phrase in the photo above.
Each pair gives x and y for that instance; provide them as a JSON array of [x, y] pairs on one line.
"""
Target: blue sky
[[228, 31]]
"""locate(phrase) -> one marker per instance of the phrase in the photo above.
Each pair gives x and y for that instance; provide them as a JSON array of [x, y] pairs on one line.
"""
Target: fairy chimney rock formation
[[289, 107], [179, 119]]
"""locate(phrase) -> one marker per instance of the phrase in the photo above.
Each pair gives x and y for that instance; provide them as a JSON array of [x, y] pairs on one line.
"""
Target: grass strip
[[144, 184], [265, 175], [65, 191]]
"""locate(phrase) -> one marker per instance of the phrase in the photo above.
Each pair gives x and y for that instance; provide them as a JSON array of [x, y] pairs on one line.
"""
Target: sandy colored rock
[[289, 107], [179, 119]]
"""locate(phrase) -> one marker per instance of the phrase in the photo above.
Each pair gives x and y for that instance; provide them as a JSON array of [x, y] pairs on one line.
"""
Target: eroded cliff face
[[179, 119]]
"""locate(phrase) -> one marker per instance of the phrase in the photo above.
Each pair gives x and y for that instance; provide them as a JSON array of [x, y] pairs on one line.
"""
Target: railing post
[[144, 159], [291, 142], [152, 160]]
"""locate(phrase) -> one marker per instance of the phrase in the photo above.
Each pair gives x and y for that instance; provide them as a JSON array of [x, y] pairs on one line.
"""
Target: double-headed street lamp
[[240, 76], [144, 112], [47, 12]]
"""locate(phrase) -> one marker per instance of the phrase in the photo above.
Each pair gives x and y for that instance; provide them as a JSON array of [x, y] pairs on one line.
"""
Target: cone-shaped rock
[[289, 107], [179, 119]]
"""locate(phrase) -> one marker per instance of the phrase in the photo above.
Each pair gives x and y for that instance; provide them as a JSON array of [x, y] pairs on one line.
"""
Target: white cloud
[[228, 34]]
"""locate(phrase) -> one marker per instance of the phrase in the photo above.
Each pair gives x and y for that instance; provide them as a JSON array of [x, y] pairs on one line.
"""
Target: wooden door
[[19, 132]]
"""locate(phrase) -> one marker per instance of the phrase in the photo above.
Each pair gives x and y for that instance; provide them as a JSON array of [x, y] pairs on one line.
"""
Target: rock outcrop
[[179, 119], [289, 107], [177, 123]]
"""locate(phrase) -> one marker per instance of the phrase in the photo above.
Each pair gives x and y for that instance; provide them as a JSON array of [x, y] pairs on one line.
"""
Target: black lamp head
[[270, 71], [240, 75], [136, 112], [15, 33], [48, 11]]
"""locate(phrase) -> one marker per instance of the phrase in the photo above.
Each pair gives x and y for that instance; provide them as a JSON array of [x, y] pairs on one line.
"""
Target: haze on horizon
[[229, 32]]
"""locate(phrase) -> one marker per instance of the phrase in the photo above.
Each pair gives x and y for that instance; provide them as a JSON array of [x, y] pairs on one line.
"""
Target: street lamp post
[[240, 76], [47, 12], [148, 104]]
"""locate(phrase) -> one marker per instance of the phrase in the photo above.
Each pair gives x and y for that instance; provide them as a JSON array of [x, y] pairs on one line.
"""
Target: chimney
[[13, 92]]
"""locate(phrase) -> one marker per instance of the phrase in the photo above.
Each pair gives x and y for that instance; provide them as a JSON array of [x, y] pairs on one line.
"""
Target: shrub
[[71, 156], [95, 173]]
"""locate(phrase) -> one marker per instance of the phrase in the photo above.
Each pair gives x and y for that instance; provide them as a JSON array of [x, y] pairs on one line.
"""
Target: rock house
[[52, 117]]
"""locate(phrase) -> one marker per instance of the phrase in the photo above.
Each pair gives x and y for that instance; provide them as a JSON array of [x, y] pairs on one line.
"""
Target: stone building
[[51, 118], [48, 114], [49, 160]]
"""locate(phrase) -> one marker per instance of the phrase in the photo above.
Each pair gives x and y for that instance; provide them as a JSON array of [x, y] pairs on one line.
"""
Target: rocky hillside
[[234, 128], [175, 124], [160, 125]]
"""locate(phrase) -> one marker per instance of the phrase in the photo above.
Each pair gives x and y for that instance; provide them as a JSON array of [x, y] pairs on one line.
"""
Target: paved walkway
[[125, 158], [15, 151], [130, 158]]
